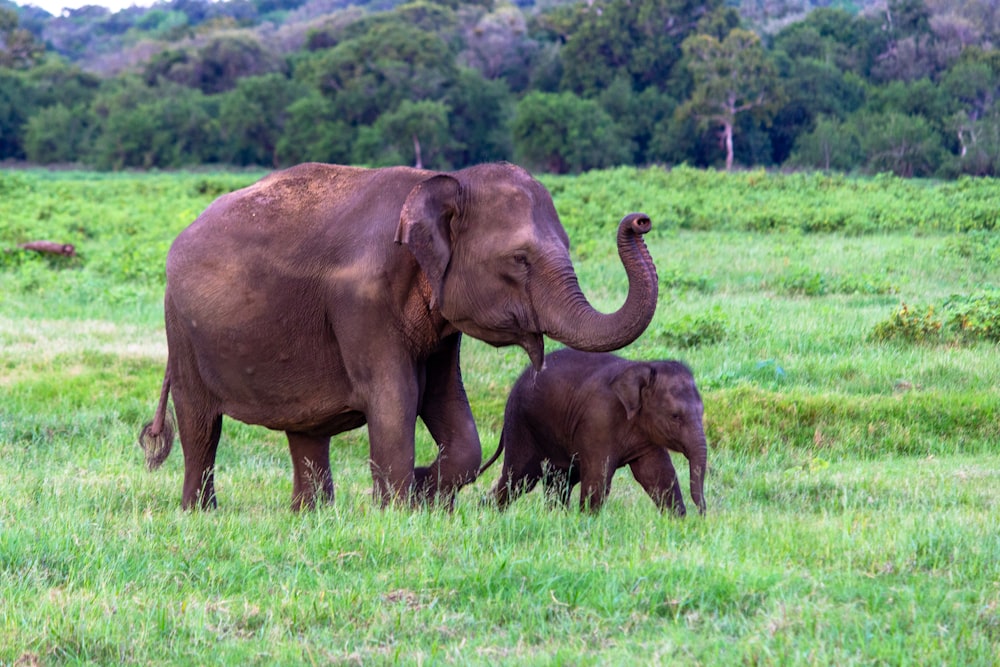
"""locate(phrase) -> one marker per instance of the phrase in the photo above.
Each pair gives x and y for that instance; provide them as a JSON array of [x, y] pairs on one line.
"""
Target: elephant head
[[663, 402], [497, 258]]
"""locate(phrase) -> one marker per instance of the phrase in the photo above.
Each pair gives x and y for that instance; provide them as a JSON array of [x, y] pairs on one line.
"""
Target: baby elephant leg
[[655, 472], [595, 483], [516, 478], [558, 484]]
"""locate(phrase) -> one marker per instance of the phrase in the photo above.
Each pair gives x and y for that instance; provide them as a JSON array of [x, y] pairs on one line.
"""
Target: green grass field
[[854, 486]]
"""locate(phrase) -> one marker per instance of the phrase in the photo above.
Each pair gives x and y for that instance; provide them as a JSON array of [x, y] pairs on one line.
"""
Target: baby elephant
[[586, 414]]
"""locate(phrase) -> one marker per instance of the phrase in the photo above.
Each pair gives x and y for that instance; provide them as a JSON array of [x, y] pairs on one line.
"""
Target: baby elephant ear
[[425, 227], [628, 386]]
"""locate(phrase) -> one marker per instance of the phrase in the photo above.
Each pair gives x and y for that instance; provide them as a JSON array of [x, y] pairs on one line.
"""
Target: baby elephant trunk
[[698, 461]]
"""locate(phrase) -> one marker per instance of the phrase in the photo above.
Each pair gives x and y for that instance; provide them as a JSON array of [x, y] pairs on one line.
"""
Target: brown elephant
[[584, 415], [326, 297]]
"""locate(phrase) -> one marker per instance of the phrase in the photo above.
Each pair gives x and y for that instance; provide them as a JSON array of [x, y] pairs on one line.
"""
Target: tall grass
[[853, 490]]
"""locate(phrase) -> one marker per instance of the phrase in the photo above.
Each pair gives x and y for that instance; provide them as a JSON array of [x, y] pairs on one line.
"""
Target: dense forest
[[910, 87]]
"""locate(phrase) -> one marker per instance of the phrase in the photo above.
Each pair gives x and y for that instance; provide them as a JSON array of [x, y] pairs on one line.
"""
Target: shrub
[[802, 282], [806, 282], [675, 279], [909, 325], [976, 316], [965, 319], [977, 246], [693, 330]]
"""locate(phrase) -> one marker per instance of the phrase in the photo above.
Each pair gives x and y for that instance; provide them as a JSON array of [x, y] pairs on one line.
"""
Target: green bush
[[802, 282], [909, 325], [806, 282], [693, 330], [964, 319], [681, 281], [980, 246], [975, 317]]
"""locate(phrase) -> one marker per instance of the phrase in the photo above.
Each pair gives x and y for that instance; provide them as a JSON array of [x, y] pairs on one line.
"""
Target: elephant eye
[[516, 268]]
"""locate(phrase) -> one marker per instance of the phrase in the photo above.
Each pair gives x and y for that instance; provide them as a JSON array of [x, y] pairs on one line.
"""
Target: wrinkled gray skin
[[324, 297], [585, 415]]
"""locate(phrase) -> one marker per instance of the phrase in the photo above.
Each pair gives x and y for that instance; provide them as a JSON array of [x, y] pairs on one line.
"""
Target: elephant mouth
[[508, 332], [534, 345]]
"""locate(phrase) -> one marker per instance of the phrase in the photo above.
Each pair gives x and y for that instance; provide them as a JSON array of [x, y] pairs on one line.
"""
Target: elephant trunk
[[698, 461], [571, 320]]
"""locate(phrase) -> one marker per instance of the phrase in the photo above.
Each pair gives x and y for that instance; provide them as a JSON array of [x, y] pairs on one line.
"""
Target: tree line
[[910, 87]]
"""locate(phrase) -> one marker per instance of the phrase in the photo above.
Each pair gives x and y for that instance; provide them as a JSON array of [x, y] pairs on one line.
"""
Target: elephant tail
[[157, 437], [495, 456]]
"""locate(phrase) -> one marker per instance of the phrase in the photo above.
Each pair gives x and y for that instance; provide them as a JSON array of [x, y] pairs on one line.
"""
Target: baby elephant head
[[662, 403]]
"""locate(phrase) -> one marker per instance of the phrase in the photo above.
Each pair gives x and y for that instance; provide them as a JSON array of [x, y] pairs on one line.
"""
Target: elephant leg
[[595, 483], [446, 412], [385, 384], [391, 460], [516, 478], [655, 473], [311, 470], [199, 431], [392, 418]]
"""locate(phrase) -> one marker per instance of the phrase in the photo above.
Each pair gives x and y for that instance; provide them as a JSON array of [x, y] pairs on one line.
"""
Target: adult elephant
[[326, 297]]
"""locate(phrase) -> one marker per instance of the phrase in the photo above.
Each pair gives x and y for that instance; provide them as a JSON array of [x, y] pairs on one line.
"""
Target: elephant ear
[[629, 384], [425, 227]]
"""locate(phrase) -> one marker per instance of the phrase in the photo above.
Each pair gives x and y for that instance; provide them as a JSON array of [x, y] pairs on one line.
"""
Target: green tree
[[19, 49], [313, 132], [973, 85], [813, 87], [907, 146], [479, 119], [57, 134], [979, 141], [332, 29], [433, 16], [166, 127], [416, 133], [367, 75], [637, 115], [914, 98], [907, 56], [835, 36], [17, 104], [906, 18], [85, 32], [563, 133], [984, 14], [499, 46], [831, 144], [731, 77], [679, 139], [252, 118], [606, 38], [163, 24], [56, 81], [215, 67]]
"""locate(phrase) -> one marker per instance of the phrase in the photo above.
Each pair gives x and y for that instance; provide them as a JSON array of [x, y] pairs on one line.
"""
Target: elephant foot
[[309, 501], [429, 492], [203, 502]]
